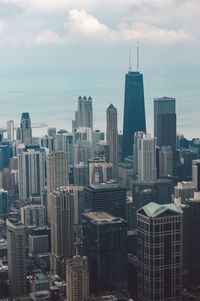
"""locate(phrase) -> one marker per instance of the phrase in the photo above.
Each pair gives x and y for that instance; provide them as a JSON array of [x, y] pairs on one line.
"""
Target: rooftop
[[102, 217], [107, 185], [152, 209]]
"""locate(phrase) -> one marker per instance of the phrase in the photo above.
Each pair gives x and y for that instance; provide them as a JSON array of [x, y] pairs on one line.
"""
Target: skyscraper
[[33, 215], [16, 258], [146, 158], [166, 131], [100, 171], [10, 130], [137, 136], [77, 278], [25, 129], [163, 105], [134, 110], [3, 203], [196, 174], [31, 171], [62, 213], [159, 252], [109, 197], [112, 135], [57, 174], [104, 244], [84, 116]]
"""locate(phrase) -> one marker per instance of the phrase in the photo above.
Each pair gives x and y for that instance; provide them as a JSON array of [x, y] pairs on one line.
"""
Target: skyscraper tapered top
[[134, 110], [25, 129]]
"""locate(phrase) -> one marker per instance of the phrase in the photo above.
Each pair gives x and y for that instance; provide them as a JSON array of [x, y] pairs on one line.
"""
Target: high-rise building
[[166, 131], [4, 155], [100, 171], [134, 110], [26, 131], [84, 117], [159, 252], [16, 258], [163, 105], [3, 203], [186, 157], [112, 136], [109, 197], [33, 215], [165, 161], [81, 174], [146, 158], [31, 170], [78, 202], [62, 240], [57, 174], [104, 244], [82, 152], [77, 278], [10, 130], [183, 191], [137, 137], [51, 132], [196, 174]]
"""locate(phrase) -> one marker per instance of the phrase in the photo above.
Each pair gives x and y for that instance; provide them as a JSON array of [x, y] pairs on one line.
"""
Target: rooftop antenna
[[129, 60], [138, 56]]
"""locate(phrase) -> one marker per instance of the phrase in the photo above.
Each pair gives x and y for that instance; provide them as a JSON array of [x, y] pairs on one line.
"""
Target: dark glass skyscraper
[[134, 110]]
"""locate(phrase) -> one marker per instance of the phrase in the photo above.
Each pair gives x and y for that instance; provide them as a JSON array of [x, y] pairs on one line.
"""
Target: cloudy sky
[[88, 41]]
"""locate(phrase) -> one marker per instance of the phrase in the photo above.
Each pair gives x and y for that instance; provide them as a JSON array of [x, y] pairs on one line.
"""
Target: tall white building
[[31, 171], [10, 130], [147, 158], [33, 215], [165, 161], [57, 174]]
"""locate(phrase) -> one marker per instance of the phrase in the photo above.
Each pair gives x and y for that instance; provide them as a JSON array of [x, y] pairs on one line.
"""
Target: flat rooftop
[[102, 217], [107, 185]]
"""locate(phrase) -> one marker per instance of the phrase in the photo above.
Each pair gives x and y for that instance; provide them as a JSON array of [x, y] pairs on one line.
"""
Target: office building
[[102, 151], [10, 130], [97, 136], [100, 171], [112, 136], [57, 174], [38, 244], [3, 203], [33, 215], [84, 116], [166, 131], [5, 154], [163, 105], [31, 171], [196, 174], [82, 152], [134, 110], [186, 156], [183, 191], [81, 174], [109, 197], [25, 129], [78, 195], [77, 278], [16, 258], [62, 240], [165, 161], [137, 136], [159, 252], [146, 158], [104, 244]]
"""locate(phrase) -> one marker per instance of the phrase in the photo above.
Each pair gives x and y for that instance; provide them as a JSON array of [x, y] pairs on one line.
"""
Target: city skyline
[[39, 67]]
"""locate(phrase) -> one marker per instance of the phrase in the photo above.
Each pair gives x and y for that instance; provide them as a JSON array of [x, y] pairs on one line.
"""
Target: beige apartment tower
[[77, 278], [16, 258], [57, 174], [112, 135], [62, 221]]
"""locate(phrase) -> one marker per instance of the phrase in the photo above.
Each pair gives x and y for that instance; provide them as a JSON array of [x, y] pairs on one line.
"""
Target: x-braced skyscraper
[[134, 110]]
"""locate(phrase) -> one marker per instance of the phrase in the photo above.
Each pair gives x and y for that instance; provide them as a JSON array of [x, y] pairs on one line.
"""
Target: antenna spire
[[130, 60], [138, 49]]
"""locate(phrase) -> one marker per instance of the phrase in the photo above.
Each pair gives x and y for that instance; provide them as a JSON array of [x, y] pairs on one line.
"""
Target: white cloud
[[48, 37], [2, 23], [81, 24]]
